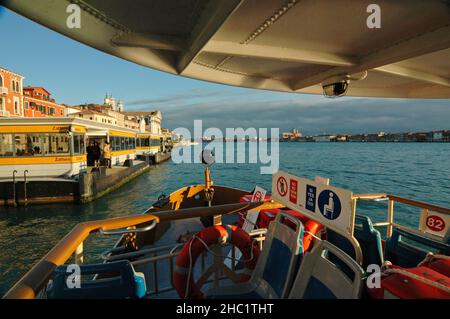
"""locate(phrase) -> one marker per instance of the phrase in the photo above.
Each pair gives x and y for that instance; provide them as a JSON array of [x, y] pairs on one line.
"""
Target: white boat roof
[[89, 124], [282, 45]]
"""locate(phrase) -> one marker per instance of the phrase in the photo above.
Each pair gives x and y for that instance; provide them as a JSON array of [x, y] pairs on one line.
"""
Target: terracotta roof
[[6, 70], [35, 87]]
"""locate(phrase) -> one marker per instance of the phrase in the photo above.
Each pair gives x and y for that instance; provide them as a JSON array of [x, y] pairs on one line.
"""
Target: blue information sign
[[310, 202], [329, 204]]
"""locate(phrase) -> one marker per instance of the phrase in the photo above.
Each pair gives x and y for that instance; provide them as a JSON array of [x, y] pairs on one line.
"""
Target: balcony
[[3, 90]]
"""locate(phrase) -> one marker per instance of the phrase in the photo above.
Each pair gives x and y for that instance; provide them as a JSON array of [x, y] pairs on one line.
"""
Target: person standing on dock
[[107, 154], [96, 154]]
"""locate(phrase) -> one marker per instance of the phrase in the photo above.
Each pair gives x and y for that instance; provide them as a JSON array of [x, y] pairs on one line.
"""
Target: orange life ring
[[185, 261], [311, 229]]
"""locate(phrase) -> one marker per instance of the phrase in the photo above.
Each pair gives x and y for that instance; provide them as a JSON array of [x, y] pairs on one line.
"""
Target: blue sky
[[75, 74]]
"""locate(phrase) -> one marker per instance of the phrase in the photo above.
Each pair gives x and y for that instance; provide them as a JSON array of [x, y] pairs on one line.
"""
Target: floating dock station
[[46, 160]]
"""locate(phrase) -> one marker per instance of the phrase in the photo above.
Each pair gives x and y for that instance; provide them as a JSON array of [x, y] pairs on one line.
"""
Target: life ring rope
[[225, 233], [189, 272]]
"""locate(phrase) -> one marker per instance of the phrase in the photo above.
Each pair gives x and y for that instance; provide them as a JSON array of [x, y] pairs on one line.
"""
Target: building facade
[[39, 103], [152, 120], [11, 95]]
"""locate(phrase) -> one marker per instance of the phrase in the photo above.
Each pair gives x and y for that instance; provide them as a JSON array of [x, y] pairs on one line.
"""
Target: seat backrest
[[320, 278], [275, 269], [370, 241], [407, 249], [118, 280], [343, 244], [368, 238]]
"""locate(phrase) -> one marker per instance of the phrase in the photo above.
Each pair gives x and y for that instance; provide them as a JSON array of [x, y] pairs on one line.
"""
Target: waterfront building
[[11, 95], [324, 138], [151, 119], [438, 136], [93, 115], [294, 135], [446, 136], [38, 103], [341, 138]]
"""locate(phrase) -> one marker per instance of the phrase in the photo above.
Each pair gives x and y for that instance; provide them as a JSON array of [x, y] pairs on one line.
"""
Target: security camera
[[335, 89], [336, 86]]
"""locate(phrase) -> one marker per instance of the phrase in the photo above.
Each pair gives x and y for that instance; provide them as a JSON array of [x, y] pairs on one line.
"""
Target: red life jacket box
[[439, 263], [420, 282]]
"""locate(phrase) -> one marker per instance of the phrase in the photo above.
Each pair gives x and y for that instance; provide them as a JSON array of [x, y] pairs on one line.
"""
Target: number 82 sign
[[435, 223]]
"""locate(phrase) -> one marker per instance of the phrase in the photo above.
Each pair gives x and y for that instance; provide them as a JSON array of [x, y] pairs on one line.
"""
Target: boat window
[[155, 142], [116, 143], [6, 145], [78, 144], [22, 145], [59, 144], [37, 144]]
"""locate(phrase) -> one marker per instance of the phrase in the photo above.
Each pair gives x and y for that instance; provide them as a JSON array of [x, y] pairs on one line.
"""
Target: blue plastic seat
[[119, 281], [276, 266], [368, 237], [320, 278], [370, 241], [407, 249]]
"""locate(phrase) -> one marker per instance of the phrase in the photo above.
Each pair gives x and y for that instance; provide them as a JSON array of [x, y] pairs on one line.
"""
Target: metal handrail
[[133, 254], [419, 204], [389, 224], [128, 230], [371, 197]]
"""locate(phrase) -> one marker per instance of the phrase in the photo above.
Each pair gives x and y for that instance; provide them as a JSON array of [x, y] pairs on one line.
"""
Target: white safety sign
[[328, 205], [249, 222]]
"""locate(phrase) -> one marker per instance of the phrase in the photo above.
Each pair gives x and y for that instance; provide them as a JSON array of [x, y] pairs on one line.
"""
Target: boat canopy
[[387, 49]]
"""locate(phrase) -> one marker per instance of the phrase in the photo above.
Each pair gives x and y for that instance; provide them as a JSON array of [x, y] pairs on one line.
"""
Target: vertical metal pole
[[352, 224], [79, 258], [25, 186], [390, 217], [14, 188], [217, 265], [423, 219]]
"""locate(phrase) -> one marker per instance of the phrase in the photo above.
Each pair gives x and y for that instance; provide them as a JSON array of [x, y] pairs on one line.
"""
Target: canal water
[[415, 170]]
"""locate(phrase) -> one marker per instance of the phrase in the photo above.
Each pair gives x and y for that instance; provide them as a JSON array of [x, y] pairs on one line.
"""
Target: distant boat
[[185, 143]]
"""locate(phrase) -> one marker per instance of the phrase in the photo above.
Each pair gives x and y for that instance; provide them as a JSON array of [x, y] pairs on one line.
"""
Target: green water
[[415, 170]]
